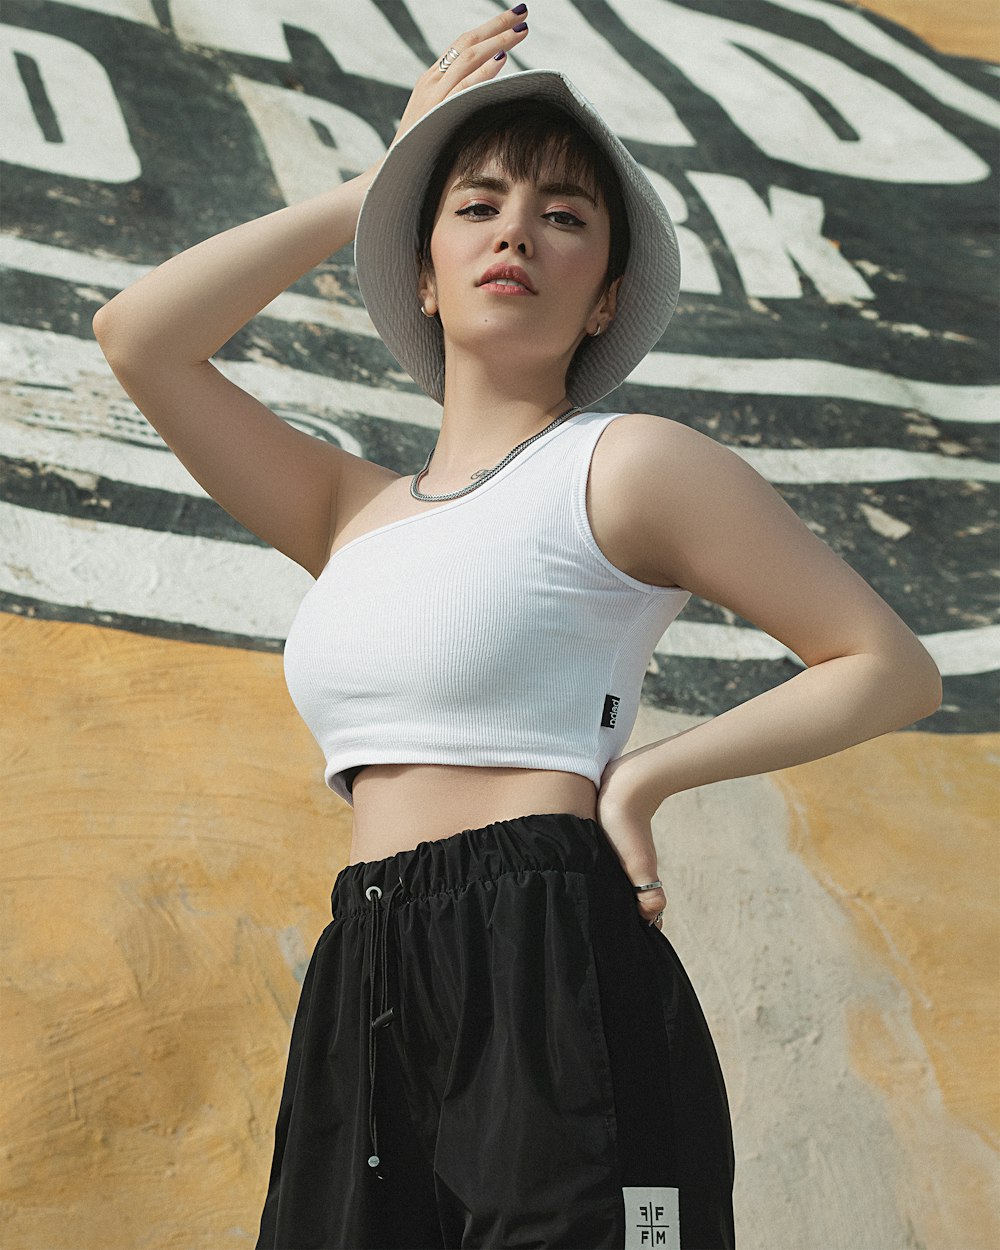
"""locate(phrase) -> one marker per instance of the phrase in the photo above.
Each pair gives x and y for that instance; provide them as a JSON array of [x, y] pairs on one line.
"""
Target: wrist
[[630, 785]]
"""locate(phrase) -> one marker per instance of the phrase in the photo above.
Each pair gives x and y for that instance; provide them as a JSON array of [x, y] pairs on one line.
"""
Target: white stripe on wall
[[46, 360], [86, 269], [815, 466], [222, 586], [957, 653], [156, 467], [254, 591], [784, 376], [48, 365]]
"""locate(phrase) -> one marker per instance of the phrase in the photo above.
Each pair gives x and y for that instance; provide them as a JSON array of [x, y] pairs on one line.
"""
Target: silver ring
[[449, 58], [650, 885]]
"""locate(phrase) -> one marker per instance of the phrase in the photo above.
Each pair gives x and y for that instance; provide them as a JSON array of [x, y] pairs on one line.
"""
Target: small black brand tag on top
[[611, 702]]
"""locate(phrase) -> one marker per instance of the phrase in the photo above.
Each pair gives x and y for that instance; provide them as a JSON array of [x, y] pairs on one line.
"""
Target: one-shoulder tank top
[[490, 630]]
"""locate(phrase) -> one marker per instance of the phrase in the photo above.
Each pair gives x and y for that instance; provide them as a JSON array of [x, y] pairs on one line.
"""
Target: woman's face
[[552, 232]]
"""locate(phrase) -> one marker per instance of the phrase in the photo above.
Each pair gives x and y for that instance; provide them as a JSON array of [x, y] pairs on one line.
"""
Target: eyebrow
[[500, 185]]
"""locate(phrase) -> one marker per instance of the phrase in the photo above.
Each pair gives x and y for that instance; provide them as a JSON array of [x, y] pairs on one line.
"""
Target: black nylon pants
[[540, 1072]]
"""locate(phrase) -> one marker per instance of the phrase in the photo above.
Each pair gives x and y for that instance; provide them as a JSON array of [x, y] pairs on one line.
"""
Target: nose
[[503, 244], [512, 230]]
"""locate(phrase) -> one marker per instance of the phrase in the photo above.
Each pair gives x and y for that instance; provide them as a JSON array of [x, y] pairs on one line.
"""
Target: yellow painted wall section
[[960, 27], [168, 852], [902, 831]]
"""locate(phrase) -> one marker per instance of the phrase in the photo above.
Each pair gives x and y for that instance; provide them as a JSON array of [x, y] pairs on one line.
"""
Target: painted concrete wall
[[168, 846]]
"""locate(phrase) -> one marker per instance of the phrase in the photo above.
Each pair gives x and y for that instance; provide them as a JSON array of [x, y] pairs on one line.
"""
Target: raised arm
[[159, 333]]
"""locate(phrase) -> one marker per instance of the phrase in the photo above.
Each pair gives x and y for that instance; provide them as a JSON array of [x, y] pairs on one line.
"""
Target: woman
[[539, 1071]]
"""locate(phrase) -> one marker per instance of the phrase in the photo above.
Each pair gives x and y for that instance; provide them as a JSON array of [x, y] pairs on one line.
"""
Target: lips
[[513, 272]]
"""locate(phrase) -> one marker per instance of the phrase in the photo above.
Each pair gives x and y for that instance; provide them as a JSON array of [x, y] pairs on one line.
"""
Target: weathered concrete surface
[[168, 851], [839, 921]]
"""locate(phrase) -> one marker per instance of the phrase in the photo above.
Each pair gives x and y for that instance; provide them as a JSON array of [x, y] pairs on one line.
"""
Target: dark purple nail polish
[[500, 55], [520, 26], [519, 9]]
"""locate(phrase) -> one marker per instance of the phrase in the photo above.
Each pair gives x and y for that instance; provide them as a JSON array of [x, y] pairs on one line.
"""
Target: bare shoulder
[[359, 482], [359, 479], [664, 490], [668, 463], [638, 453], [640, 434]]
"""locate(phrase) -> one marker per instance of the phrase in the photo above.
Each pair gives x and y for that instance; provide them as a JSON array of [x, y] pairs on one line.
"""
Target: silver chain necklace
[[483, 475]]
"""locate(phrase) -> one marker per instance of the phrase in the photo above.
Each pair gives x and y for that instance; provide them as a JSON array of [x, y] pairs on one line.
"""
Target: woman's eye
[[470, 211]]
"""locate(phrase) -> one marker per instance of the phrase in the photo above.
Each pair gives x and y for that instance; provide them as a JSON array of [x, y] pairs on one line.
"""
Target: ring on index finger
[[449, 58]]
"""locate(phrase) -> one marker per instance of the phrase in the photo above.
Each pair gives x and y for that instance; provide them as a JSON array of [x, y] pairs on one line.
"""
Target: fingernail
[[500, 55], [519, 9], [520, 26]]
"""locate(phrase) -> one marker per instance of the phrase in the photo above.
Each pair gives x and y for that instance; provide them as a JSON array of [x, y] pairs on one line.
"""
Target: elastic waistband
[[559, 840]]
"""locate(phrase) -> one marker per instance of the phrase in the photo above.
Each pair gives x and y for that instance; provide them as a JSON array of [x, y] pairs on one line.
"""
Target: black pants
[[539, 1072]]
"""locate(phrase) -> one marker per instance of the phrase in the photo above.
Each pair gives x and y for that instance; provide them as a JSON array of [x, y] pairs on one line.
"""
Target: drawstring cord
[[377, 951]]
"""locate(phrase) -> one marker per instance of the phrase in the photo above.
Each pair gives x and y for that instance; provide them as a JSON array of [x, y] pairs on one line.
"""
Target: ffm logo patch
[[652, 1217], [610, 715]]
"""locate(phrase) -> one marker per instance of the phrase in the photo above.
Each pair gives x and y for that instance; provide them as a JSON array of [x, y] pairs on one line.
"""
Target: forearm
[[820, 711], [186, 308]]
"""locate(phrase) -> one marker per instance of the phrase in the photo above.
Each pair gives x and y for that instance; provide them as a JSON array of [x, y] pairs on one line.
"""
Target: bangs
[[557, 156]]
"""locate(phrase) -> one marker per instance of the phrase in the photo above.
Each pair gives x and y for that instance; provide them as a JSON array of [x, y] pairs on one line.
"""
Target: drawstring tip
[[383, 1019]]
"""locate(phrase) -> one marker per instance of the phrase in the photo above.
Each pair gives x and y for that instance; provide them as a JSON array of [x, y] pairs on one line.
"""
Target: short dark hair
[[522, 137]]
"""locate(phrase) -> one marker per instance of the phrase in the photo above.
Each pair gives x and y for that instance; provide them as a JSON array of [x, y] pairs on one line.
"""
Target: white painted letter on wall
[[764, 240], [312, 144], [357, 35], [58, 110], [892, 140]]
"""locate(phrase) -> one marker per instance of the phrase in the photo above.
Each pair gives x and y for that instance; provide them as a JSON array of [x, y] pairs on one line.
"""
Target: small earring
[[424, 311], [596, 332]]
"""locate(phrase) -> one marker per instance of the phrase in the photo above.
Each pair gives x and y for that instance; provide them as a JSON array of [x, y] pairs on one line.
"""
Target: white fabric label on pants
[[652, 1217]]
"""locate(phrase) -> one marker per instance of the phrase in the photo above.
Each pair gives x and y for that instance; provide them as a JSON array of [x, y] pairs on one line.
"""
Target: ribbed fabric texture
[[489, 630]]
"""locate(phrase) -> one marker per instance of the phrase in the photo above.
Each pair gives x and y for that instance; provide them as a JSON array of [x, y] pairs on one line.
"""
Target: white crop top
[[489, 630]]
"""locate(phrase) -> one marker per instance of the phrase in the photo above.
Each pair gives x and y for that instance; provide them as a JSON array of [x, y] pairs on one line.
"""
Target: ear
[[609, 304], [604, 309], [427, 288]]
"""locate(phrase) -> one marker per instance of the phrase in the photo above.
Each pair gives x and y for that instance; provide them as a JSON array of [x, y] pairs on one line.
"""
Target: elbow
[[921, 677], [930, 680], [906, 682], [116, 336], [109, 319], [102, 325], [935, 689]]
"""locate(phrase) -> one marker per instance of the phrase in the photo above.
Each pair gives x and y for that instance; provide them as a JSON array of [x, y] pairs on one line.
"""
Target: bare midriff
[[398, 805]]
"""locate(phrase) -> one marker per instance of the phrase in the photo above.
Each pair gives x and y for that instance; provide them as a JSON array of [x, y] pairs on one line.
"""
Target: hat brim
[[386, 243]]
